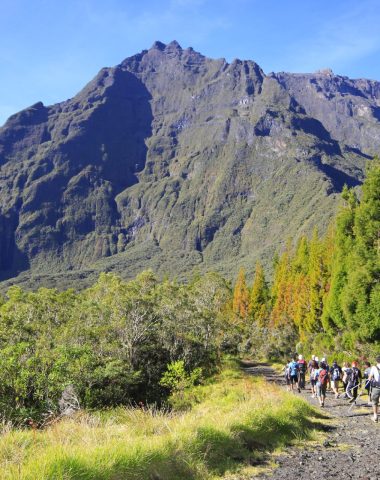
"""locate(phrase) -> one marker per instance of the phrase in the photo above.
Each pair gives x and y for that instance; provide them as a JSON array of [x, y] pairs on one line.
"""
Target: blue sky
[[49, 49]]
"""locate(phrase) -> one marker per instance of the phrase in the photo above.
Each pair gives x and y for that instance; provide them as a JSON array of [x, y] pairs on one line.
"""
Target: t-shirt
[[375, 373], [293, 369]]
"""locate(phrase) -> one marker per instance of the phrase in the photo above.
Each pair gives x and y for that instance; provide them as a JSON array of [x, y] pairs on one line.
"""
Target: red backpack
[[323, 377]]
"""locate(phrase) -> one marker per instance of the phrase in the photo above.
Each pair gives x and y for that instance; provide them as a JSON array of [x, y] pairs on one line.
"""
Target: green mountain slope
[[173, 161]]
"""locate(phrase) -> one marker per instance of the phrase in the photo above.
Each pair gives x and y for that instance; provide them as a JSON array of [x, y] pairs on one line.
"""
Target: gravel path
[[350, 451]]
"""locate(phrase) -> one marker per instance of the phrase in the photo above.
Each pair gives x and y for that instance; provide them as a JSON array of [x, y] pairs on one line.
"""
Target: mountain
[[178, 162]]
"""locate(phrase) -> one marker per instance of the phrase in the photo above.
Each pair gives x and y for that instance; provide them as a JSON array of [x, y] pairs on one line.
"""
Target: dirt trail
[[350, 451]]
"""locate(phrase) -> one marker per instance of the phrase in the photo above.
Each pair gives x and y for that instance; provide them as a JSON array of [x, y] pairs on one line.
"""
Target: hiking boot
[[352, 400], [374, 419], [299, 390]]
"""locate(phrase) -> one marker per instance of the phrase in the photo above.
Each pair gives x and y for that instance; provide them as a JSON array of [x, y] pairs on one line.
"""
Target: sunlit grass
[[237, 420]]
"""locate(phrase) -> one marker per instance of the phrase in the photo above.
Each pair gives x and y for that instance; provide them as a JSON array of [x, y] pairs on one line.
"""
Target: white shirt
[[375, 373]]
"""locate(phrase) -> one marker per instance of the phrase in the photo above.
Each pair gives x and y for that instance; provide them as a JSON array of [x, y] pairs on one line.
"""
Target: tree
[[240, 301], [258, 302]]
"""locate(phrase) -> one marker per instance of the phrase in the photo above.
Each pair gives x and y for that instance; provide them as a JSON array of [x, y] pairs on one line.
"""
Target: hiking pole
[[359, 394]]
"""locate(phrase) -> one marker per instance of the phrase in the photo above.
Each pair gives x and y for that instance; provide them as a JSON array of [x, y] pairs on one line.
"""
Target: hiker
[[312, 370], [322, 376], [354, 381], [336, 375], [287, 376], [346, 370], [374, 378], [301, 372], [311, 363], [324, 360], [293, 374], [367, 383]]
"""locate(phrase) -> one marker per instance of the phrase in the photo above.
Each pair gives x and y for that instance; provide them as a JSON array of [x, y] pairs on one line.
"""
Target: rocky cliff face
[[175, 161]]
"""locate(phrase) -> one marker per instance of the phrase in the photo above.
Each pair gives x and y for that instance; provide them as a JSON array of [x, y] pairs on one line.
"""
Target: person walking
[[346, 371], [367, 383], [354, 381], [312, 371], [374, 378], [302, 367], [293, 374], [322, 376], [336, 375], [287, 376]]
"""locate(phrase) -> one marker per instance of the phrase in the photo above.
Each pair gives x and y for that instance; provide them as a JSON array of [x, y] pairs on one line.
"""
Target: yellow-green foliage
[[238, 418]]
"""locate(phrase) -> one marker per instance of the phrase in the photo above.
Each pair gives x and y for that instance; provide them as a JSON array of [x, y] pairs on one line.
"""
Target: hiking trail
[[351, 449]]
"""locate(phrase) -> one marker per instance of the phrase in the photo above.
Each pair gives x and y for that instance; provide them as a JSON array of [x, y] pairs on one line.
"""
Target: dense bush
[[111, 342]]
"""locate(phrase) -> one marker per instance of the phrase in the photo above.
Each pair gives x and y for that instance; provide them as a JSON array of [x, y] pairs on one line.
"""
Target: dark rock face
[[172, 160]]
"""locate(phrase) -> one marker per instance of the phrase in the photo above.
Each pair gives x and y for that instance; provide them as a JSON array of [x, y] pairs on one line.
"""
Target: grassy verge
[[237, 420]]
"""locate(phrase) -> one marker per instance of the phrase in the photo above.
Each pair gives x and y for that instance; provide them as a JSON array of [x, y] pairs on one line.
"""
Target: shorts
[[321, 390], [294, 378], [313, 382], [335, 383], [375, 396], [287, 380]]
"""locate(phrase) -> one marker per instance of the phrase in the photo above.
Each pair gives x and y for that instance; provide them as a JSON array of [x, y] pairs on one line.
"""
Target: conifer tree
[[240, 301], [282, 291], [333, 316], [258, 304], [316, 284], [361, 295]]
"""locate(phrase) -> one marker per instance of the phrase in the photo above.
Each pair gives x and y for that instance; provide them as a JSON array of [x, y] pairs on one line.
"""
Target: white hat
[[313, 357], [300, 357], [323, 359], [316, 359]]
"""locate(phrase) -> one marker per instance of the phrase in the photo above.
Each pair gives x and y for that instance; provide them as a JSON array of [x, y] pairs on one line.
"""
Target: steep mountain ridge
[[175, 161]]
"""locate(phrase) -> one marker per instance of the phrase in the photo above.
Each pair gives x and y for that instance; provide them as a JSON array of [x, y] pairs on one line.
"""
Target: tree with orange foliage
[[240, 301]]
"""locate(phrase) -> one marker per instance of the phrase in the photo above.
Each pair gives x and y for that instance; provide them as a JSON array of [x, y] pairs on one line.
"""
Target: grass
[[237, 421]]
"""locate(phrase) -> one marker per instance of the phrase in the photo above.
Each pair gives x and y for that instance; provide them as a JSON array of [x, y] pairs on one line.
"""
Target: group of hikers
[[323, 376]]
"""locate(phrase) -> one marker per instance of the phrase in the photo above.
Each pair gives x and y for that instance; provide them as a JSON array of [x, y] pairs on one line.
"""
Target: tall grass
[[236, 421]]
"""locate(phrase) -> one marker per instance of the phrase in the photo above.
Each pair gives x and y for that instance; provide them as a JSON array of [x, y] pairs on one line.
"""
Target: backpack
[[293, 366], [302, 366], [373, 381], [354, 377], [336, 374], [323, 377]]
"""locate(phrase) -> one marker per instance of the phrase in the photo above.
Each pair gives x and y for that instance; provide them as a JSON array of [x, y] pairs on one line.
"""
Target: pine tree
[[361, 294], [282, 291], [258, 304], [333, 316], [240, 301]]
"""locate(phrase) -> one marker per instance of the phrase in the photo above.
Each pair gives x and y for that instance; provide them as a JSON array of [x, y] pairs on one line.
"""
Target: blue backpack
[[293, 366]]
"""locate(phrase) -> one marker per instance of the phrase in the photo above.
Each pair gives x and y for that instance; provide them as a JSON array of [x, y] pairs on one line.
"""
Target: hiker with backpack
[[367, 383], [322, 377], [302, 367], [346, 370], [354, 381], [336, 375], [293, 374], [312, 369], [374, 378]]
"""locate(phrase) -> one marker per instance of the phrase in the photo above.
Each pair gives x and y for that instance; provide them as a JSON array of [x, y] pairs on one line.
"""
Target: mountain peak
[[157, 45], [170, 47], [173, 45]]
